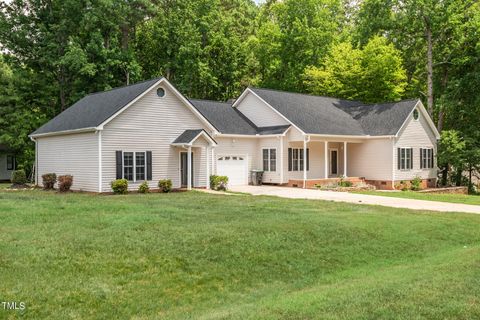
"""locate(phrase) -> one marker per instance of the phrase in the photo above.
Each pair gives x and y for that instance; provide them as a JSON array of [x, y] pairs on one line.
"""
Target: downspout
[[100, 171]]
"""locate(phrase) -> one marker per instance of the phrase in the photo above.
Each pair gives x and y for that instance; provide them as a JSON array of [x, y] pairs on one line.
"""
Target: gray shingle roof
[[94, 109], [382, 119], [229, 120], [188, 135], [331, 116], [226, 119]]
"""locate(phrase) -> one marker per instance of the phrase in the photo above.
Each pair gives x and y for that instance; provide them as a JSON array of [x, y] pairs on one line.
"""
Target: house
[[8, 163], [149, 131]]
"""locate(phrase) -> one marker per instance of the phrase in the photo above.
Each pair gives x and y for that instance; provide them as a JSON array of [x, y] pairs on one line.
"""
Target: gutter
[[57, 133]]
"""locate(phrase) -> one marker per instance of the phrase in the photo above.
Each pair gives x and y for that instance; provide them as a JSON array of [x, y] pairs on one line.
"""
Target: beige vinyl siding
[[416, 134], [269, 143], [152, 124], [372, 159], [259, 113], [4, 173], [74, 154], [317, 162], [247, 147]]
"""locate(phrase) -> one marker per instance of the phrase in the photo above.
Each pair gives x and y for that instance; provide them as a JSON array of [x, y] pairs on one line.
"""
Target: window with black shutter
[[134, 166]]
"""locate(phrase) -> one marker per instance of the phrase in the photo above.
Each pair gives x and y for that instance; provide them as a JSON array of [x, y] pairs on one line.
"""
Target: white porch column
[[345, 159], [305, 162], [207, 156], [189, 168], [326, 159], [281, 160], [213, 162]]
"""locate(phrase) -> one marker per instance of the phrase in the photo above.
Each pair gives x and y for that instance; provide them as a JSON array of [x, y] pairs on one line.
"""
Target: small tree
[[451, 153]]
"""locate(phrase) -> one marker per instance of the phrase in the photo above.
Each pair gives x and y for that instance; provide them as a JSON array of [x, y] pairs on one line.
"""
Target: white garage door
[[234, 167]]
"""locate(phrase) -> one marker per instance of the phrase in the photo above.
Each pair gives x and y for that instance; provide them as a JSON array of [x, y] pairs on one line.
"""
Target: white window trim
[[134, 165], [269, 159], [300, 161], [427, 167], [404, 161]]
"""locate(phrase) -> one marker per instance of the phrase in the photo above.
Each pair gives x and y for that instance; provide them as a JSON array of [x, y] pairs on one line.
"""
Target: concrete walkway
[[297, 193]]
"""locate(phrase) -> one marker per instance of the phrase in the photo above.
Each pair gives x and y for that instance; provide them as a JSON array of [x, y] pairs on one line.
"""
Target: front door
[[333, 162], [184, 168]]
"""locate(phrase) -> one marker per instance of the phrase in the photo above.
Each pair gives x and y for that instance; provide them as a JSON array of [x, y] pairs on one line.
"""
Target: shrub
[[19, 177], [120, 186], [65, 182], [165, 185], [344, 183], [144, 188], [416, 184], [218, 183], [49, 180]]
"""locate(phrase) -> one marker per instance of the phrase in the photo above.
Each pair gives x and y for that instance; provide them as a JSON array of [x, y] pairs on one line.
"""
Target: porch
[[319, 161]]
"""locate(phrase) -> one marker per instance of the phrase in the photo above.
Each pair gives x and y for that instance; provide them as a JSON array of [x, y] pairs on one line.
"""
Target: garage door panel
[[234, 167]]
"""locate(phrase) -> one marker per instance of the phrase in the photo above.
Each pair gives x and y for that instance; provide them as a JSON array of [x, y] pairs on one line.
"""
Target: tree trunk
[[445, 175], [428, 34], [441, 112]]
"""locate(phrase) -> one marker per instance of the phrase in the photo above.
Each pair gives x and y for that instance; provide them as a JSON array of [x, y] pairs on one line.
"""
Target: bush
[[344, 183], [65, 182], [218, 183], [120, 186], [144, 188], [19, 177], [416, 184], [49, 180], [165, 185]]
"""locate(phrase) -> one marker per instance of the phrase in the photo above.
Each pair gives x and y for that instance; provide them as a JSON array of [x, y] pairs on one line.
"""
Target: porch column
[[326, 159], [207, 156], [345, 159], [304, 162], [189, 168]]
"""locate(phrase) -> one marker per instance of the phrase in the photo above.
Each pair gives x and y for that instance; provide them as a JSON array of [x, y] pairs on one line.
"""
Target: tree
[[372, 74], [294, 34]]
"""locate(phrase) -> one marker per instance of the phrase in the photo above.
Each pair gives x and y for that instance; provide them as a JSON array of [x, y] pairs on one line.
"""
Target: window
[[269, 159], [405, 158], [140, 166], [415, 114], [295, 159], [161, 92], [10, 163], [128, 166], [426, 158]]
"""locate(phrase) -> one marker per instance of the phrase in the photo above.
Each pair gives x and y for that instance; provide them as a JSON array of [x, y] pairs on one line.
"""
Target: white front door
[[235, 168]]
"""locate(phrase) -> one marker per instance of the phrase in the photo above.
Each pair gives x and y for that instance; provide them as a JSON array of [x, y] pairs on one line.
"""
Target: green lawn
[[455, 198], [200, 256]]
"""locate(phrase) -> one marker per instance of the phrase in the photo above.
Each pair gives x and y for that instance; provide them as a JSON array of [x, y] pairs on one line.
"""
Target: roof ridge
[[305, 94], [208, 100], [389, 102], [123, 87]]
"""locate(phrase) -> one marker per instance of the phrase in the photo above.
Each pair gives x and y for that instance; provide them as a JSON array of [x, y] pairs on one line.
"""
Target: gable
[[259, 112], [152, 111], [416, 133]]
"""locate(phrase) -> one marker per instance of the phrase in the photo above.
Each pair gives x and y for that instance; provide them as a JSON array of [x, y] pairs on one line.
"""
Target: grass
[[201, 256], [454, 198]]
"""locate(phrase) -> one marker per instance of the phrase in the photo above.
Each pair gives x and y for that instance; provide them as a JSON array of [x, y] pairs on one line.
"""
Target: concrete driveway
[[297, 193]]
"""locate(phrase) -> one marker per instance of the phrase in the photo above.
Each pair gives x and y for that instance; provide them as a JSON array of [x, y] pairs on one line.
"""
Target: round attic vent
[[160, 92]]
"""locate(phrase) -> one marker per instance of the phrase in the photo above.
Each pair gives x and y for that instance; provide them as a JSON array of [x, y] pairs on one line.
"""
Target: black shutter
[[119, 164], [411, 158], [399, 157], [149, 165], [289, 159], [421, 158], [308, 159]]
